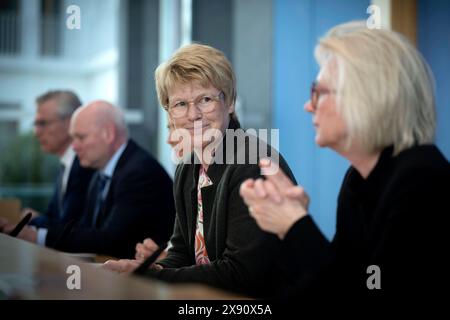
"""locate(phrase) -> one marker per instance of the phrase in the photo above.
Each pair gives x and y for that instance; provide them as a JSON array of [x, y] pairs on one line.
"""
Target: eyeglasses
[[205, 103], [316, 92], [44, 123]]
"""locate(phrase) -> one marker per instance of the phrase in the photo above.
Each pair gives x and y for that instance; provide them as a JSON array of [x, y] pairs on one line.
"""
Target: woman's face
[[200, 125], [331, 129]]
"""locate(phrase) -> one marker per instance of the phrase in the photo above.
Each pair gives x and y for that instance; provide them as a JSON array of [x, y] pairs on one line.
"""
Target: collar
[[68, 157], [108, 170], [360, 185]]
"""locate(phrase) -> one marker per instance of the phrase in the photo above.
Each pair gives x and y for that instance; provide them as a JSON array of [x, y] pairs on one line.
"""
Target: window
[[9, 27], [8, 131], [52, 24]]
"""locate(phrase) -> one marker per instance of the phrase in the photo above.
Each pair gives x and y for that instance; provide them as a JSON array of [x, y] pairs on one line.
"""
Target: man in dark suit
[[130, 197], [51, 125]]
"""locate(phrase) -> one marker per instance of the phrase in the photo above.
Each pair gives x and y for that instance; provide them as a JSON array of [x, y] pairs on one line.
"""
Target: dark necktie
[[101, 184], [59, 189]]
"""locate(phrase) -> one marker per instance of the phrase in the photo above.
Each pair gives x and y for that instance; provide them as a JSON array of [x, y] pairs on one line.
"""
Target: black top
[[236, 246], [394, 219]]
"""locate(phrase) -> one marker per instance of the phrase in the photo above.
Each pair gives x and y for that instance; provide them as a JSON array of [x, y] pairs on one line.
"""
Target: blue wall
[[434, 43], [297, 26]]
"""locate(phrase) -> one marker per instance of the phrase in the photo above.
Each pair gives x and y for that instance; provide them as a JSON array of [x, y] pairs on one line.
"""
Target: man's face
[[50, 129], [89, 141]]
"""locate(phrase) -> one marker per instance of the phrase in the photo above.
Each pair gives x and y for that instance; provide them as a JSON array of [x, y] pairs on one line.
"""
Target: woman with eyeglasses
[[215, 241], [373, 104]]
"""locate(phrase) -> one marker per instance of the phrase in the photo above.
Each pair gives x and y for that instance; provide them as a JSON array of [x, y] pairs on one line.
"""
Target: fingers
[[260, 190], [33, 212], [156, 266], [276, 187], [112, 265], [294, 192], [269, 166], [298, 193], [150, 245], [3, 223], [7, 227], [279, 179], [145, 249], [254, 190], [246, 186], [140, 253], [121, 266], [24, 212], [282, 184], [272, 191], [247, 190]]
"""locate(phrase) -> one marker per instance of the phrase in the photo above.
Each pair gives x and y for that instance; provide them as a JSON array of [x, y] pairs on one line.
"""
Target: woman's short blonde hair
[[385, 89], [196, 63]]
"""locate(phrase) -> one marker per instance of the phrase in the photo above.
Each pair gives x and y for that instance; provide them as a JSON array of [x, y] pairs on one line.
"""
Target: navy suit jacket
[[139, 204], [74, 200]]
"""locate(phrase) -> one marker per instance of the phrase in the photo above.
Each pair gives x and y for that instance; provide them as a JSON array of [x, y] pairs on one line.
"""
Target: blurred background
[[119, 44]]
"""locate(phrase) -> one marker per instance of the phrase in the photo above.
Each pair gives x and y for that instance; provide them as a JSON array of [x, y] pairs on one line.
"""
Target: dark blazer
[[73, 202], [395, 219], [139, 204], [236, 246]]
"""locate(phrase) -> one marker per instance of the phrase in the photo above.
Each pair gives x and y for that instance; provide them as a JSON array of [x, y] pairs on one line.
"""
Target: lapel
[[59, 199], [109, 200], [209, 193], [191, 198], [74, 171], [91, 199], [379, 176]]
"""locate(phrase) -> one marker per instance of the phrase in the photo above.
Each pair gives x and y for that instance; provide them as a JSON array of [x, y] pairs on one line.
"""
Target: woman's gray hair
[[385, 89]]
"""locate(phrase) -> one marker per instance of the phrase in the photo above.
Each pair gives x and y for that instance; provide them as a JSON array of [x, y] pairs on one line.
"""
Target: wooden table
[[28, 271]]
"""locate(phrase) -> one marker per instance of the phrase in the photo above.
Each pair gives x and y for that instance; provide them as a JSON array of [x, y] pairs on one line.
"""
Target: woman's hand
[[275, 203], [122, 265], [145, 249]]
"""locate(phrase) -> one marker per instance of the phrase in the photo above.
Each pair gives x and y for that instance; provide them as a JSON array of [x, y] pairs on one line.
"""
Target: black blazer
[[236, 246], [139, 204], [395, 219], [73, 202]]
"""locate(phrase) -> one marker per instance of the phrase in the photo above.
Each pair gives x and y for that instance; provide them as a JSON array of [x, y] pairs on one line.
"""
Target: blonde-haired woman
[[215, 241], [373, 104]]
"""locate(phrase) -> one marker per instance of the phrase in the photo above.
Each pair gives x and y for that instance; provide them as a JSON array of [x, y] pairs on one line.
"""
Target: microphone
[[20, 225], [149, 261]]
